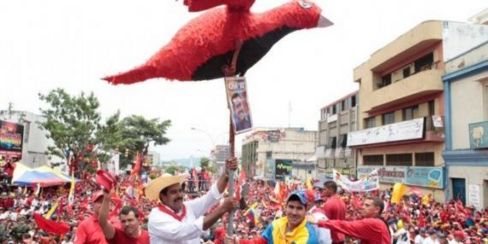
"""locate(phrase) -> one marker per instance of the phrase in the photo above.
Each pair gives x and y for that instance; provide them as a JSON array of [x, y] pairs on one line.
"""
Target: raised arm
[[108, 229]]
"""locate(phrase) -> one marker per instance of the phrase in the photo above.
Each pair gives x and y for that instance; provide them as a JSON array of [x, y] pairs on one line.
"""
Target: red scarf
[[172, 213]]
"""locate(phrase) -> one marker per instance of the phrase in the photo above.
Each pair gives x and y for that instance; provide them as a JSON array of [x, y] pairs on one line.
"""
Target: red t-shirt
[[121, 238], [90, 232], [335, 209], [369, 230]]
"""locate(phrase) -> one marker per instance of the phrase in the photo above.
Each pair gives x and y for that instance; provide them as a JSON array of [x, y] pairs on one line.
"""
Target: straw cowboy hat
[[155, 186]]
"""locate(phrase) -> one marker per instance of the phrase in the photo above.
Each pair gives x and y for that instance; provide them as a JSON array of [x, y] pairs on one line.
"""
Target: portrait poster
[[238, 104]]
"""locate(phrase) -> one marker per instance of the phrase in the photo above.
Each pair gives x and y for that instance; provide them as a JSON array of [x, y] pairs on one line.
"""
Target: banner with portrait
[[238, 103]]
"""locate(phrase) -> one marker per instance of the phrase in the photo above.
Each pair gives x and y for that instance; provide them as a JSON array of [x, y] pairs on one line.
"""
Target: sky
[[69, 44]]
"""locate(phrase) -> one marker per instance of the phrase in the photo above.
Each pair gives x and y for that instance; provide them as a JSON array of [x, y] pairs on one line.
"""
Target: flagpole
[[231, 173], [230, 71]]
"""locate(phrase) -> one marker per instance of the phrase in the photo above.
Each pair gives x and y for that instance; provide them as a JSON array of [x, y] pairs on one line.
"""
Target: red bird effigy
[[202, 48]]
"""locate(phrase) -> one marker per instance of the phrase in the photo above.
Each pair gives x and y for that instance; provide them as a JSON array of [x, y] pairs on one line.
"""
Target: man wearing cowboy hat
[[178, 222]]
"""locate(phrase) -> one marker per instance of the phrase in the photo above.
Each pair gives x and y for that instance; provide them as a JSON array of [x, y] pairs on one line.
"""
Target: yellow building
[[401, 111]]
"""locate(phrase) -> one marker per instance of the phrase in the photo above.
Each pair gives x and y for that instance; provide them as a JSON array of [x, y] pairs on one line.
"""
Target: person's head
[[330, 188], [129, 218], [296, 208], [168, 190], [26, 238], [372, 207], [239, 106], [172, 196], [97, 200]]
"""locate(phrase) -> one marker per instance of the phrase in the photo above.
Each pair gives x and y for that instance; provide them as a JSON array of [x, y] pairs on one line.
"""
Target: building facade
[[336, 121], [466, 152], [401, 108], [263, 147]]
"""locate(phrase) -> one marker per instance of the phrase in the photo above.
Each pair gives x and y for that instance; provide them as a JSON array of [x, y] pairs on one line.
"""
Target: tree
[[131, 135], [71, 122], [204, 163]]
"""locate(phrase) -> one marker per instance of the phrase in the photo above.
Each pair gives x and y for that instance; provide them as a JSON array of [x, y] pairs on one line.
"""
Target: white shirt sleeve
[[174, 230], [202, 204]]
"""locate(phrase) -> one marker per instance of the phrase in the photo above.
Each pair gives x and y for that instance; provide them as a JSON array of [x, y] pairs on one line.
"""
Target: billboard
[[283, 168], [11, 138], [401, 131]]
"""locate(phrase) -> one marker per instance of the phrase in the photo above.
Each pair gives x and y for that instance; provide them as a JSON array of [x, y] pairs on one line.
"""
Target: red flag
[[59, 228], [137, 165]]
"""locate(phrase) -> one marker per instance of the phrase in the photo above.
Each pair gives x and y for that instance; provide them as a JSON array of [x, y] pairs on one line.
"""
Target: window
[[410, 113], [424, 63], [269, 154], [385, 80], [388, 118], [343, 140], [431, 107], [334, 109], [353, 101], [406, 72], [404, 159], [424, 159], [333, 142], [343, 105], [369, 122], [373, 159], [27, 131]]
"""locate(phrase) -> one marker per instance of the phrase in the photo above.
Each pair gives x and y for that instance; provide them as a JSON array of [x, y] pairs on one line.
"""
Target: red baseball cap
[[105, 180]]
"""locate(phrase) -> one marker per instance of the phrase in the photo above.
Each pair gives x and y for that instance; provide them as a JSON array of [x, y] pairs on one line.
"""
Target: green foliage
[[131, 135], [204, 163], [71, 122]]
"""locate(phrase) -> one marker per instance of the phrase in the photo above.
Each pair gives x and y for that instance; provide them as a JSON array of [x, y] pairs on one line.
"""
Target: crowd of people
[[163, 213]]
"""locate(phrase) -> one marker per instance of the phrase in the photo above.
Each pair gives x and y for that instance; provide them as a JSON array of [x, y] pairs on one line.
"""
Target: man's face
[[239, 107], [328, 192], [173, 197], [130, 223], [97, 205], [369, 209], [295, 212]]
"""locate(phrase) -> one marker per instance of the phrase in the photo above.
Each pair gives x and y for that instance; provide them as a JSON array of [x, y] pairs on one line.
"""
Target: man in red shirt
[[131, 231], [334, 208], [89, 230], [372, 229]]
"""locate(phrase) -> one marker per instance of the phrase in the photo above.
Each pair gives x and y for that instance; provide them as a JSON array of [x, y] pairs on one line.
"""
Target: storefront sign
[[478, 135], [474, 196], [431, 177], [283, 168]]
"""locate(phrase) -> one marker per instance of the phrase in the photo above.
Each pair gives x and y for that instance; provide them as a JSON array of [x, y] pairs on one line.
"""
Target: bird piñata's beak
[[324, 22]]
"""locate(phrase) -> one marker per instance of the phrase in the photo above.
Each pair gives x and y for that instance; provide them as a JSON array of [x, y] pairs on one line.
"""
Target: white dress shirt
[[163, 228]]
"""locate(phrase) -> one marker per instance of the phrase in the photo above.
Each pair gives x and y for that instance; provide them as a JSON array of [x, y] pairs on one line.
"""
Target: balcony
[[412, 88]]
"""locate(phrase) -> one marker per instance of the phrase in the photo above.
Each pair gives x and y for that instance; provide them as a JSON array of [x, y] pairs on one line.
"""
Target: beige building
[[401, 105], [263, 147], [466, 154], [336, 121]]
